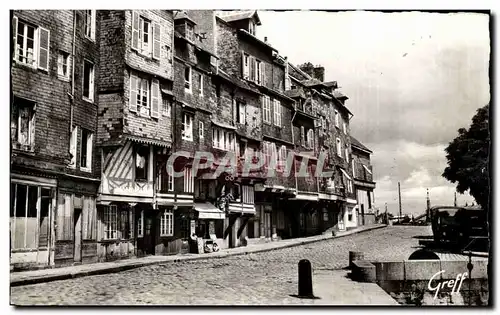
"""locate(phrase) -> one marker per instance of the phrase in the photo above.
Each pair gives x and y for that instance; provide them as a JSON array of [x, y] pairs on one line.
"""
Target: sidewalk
[[53, 274]]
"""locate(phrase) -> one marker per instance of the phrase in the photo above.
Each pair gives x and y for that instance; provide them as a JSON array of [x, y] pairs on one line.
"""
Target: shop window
[[141, 163], [167, 223], [110, 222]]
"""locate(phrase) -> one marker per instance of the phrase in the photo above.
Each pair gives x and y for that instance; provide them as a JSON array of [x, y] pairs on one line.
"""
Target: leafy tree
[[468, 159]]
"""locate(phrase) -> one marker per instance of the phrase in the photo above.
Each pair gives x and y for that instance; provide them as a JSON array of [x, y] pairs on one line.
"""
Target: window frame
[[201, 129], [241, 108], [266, 109], [137, 149], [36, 39], [166, 107], [186, 117], [61, 54], [90, 98], [90, 24], [89, 146], [148, 51], [170, 178], [277, 113], [223, 139], [188, 84], [167, 223], [30, 106], [107, 220]]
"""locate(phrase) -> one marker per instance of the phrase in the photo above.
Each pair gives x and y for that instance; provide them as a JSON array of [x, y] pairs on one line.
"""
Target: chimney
[[319, 73]]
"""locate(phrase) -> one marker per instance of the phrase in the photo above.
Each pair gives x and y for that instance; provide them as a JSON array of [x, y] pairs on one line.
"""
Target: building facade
[[107, 106], [363, 180], [54, 105]]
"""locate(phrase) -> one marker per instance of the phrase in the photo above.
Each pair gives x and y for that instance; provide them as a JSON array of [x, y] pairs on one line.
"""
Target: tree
[[468, 159]]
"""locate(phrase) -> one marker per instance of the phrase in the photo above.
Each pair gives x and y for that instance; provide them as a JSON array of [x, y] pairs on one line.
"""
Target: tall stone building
[[54, 105], [363, 180]]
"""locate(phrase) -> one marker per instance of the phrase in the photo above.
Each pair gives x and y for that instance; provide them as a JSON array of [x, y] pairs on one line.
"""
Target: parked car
[[458, 225]]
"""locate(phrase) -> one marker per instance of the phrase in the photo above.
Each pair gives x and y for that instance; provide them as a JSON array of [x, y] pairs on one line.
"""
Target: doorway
[[77, 228]]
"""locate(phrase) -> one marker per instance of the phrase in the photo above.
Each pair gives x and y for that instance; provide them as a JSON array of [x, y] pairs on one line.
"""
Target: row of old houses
[[101, 100]]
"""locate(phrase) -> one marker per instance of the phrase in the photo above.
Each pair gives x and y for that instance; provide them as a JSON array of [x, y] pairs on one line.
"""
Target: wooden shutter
[[244, 70], [93, 17], [155, 98], [302, 135], [133, 93], [156, 41], [262, 74], [43, 48], [252, 68], [135, 30], [14, 34]]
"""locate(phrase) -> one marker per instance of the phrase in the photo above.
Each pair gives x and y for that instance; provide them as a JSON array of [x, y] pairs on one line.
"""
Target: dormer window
[[190, 31], [251, 27]]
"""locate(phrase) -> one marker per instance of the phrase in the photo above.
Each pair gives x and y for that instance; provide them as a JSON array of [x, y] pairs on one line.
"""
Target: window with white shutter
[[241, 112], [266, 109], [133, 93], [89, 21], [187, 127], [302, 136], [156, 41], [135, 30], [277, 113], [31, 44], [339, 147], [155, 98], [262, 73]]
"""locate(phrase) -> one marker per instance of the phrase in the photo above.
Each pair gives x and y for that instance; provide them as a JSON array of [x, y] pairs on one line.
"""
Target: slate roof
[[241, 15], [355, 142]]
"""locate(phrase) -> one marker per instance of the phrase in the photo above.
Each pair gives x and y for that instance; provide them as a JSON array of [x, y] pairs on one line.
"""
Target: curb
[[49, 278]]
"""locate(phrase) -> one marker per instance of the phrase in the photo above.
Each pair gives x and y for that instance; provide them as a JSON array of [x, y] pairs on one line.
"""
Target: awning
[[222, 125], [155, 142], [345, 173], [208, 211], [367, 169]]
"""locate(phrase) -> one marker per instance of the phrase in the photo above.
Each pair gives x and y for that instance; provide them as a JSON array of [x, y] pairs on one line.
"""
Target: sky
[[412, 78]]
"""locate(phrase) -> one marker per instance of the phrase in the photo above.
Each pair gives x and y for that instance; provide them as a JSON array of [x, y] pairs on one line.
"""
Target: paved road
[[260, 278]]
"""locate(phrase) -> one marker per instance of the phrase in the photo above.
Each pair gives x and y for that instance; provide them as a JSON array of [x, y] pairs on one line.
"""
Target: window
[[86, 150], [25, 218], [145, 96], [124, 225], [72, 146], [188, 180], [190, 31], [337, 123], [167, 223], [347, 155], [110, 222], [258, 69], [140, 224], [242, 147], [187, 127], [201, 129], [345, 127], [223, 139], [246, 65], [247, 194], [310, 138], [23, 124], [349, 214], [266, 109], [187, 79], [88, 80], [241, 112], [141, 163], [170, 177], [339, 147], [63, 65], [282, 155], [31, 44], [277, 113], [169, 54], [145, 36], [89, 21], [167, 107], [349, 186], [200, 84]]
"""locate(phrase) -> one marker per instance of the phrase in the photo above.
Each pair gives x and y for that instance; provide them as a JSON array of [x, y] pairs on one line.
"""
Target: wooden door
[[148, 234]]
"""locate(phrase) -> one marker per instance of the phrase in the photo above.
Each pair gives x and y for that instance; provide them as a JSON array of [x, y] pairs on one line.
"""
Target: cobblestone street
[[261, 278]]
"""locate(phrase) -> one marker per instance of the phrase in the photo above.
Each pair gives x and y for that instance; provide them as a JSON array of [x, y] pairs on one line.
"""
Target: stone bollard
[[355, 256], [305, 279]]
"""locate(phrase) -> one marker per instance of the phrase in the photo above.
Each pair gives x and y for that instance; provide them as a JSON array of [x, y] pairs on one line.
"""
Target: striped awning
[[155, 142]]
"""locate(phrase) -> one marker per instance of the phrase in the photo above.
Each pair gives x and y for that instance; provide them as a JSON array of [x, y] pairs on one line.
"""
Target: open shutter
[[155, 99], [135, 30], [262, 74], [252, 68], [14, 35], [244, 73], [156, 41], [302, 135], [133, 93], [43, 48], [92, 31]]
